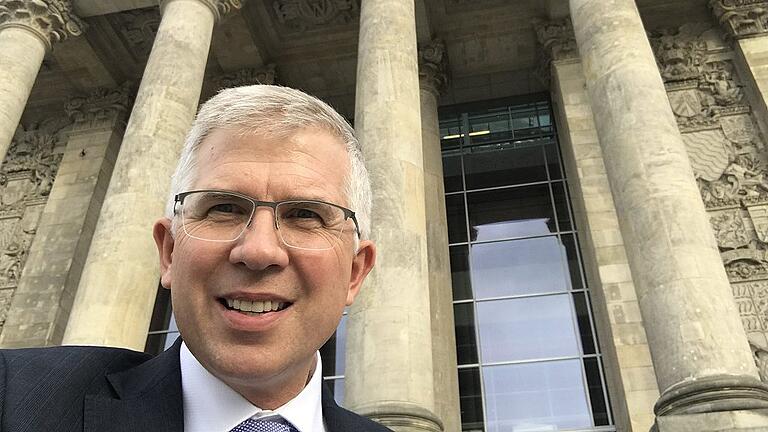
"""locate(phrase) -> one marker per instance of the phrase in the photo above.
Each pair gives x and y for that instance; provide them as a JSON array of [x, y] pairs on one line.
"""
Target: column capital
[[100, 107], [218, 7], [50, 20], [741, 18], [433, 67], [557, 39], [248, 76]]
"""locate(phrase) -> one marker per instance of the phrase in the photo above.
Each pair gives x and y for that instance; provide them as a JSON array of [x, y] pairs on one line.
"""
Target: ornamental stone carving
[[433, 67], [100, 107], [139, 28], [51, 20], [680, 53], [248, 76], [557, 39], [741, 18], [303, 15]]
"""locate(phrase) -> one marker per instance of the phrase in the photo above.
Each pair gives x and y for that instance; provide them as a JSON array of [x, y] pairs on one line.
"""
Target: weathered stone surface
[[127, 263], [692, 325], [629, 373], [396, 294]]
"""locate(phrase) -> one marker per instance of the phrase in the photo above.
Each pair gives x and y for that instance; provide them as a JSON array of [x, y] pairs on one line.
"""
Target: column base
[[402, 416], [728, 421], [713, 394]]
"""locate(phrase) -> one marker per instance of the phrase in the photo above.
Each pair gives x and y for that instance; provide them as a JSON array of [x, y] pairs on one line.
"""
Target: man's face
[[266, 358]]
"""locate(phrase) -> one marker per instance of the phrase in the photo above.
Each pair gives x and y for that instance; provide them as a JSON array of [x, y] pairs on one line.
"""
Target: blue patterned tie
[[270, 424]]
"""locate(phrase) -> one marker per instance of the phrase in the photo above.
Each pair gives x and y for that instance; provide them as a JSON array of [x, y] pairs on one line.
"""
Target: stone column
[[389, 357], [697, 342], [43, 299], [114, 300], [433, 79], [629, 372], [746, 25], [27, 30]]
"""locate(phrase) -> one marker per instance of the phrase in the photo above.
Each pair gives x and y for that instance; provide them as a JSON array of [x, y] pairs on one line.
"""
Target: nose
[[260, 246]]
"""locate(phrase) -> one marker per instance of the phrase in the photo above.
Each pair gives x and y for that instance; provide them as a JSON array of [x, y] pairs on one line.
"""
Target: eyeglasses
[[222, 216]]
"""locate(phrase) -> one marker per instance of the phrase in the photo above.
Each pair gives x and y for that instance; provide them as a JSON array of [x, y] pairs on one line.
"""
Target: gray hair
[[277, 112]]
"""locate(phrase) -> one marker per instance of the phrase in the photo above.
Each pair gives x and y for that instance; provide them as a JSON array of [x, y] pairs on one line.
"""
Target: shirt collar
[[211, 405]]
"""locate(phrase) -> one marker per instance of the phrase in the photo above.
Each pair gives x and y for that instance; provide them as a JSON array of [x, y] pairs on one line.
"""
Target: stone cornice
[[557, 39], [248, 76], [51, 20], [100, 107], [741, 18], [433, 67]]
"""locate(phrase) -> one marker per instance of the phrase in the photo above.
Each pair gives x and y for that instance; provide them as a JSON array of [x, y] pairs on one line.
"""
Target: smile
[[254, 307]]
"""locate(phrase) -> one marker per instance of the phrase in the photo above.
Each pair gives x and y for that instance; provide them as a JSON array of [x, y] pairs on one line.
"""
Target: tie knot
[[270, 424]]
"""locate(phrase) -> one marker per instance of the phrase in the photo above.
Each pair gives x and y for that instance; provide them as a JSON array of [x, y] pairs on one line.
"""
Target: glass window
[[585, 326], [561, 206], [466, 344], [515, 267], [470, 400], [508, 213], [454, 209], [546, 396], [489, 166], [460, 279], [337, 389], [527, 328], [452, 173]]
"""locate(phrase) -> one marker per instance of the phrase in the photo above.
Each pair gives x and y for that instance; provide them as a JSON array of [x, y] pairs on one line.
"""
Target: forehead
[[311, 159]]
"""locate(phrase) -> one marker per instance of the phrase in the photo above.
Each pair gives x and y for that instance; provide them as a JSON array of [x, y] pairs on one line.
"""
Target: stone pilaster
[[389, 327], [122, 257], [698, 345], [28, 28], [40, 309], [433, 79]]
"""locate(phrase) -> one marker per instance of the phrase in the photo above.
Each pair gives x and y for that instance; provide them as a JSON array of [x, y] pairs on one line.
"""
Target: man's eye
[[303, 214], [225, 208]]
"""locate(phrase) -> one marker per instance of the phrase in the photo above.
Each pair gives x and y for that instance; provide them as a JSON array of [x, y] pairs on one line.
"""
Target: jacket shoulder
[[54, 381], [355, 422]]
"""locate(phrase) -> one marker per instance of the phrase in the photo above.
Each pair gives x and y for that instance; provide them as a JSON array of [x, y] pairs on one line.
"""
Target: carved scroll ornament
[[52, 20]]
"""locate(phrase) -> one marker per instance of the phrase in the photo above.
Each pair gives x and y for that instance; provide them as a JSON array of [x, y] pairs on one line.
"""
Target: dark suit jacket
[[92, 389]]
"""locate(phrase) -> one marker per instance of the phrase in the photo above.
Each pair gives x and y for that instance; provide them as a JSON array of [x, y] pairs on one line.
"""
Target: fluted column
[[433, 78], [389, 357], [28, 28], [697, 342], [114, 300]]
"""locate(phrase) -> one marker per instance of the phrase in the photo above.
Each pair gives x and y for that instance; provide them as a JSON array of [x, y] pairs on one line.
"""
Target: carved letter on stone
[[305, 14]]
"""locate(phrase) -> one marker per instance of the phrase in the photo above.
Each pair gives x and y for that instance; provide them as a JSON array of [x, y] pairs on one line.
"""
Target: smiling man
[[263, 245]]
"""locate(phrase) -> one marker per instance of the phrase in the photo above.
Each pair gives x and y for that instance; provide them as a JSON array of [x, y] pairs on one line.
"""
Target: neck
[[275, 392]]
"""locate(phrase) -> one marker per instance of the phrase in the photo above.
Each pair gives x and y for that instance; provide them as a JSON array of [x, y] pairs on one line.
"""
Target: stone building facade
[[570, 196]]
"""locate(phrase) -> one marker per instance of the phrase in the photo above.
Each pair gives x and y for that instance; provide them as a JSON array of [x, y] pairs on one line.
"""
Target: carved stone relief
[[741, 18], [139, 28], [26, 179], [433, 66], [248, 76], [558, 43], [730, 163], [301, 15]]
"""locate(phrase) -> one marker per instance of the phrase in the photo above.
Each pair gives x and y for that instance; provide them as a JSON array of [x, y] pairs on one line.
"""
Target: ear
[[361, 266], [164, 241]]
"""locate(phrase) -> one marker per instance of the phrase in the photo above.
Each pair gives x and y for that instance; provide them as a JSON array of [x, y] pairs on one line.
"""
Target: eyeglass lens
[[220, 216]]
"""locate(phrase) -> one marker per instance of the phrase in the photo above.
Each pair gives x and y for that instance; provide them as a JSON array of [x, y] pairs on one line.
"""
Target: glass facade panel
[[546, 396], [528, 355], [471, 400], [509, 213], [527, 328], [498, 165], [452, 173], [466, 343], [460, 279], [516, 267]]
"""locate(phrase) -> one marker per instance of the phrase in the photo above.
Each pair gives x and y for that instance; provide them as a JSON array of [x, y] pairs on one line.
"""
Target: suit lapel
[[146, 397]]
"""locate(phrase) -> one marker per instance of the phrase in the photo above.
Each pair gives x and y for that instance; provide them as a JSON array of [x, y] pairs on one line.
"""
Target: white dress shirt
[[212, 406]]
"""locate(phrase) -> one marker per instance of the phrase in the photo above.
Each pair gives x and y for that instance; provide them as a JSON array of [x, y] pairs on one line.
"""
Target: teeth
[[253, 307]]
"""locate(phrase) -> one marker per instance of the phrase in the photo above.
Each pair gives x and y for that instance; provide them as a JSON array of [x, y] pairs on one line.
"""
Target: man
[[263, 245]]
